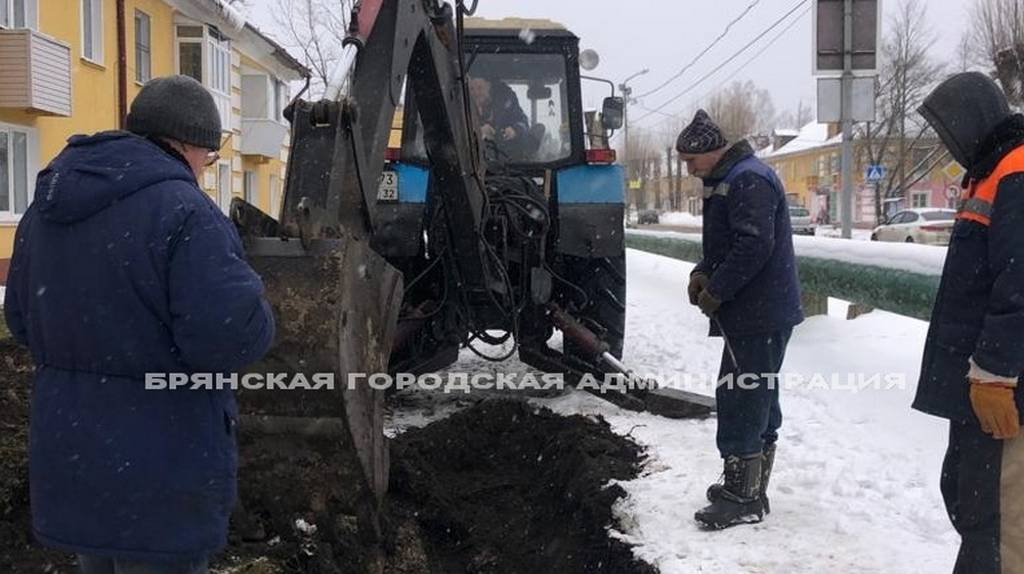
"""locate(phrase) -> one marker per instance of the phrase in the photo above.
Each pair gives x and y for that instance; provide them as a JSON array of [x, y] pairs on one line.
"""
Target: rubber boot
[[766, 471], [739, 501]]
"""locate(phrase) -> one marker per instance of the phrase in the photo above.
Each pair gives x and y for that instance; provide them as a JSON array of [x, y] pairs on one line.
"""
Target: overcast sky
[[663, 35]]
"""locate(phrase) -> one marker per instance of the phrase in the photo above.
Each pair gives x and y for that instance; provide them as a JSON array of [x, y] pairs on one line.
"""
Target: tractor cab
[[524, 87]]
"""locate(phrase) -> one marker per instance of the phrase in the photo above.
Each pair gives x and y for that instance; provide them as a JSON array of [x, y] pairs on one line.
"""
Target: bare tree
[[795, 119], [742, 110], [907, 74], [315, 29], [997, 34]]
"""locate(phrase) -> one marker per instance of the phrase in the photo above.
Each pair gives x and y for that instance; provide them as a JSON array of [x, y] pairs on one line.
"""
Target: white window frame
[[92, 53], [915, 196], [275, 196], [29, 9], [216, 65], [31, 169], [250, 186], [140, 78], [224, 193]]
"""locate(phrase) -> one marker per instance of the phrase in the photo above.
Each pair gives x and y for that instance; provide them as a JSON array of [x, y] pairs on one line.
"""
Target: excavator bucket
[[336, 304]]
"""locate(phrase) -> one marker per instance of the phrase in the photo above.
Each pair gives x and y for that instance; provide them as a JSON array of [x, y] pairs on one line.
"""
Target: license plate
[[387, 190]]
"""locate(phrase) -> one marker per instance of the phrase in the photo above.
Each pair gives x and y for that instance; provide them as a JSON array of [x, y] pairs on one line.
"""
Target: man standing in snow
[[746, 283], [122, 266], [974, 354]]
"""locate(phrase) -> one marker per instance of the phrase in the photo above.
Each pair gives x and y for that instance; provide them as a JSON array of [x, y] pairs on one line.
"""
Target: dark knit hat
[[701, 136], [176, 107]]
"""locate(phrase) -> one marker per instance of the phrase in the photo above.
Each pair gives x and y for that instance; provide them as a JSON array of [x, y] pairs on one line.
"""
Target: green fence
[[902, 292]]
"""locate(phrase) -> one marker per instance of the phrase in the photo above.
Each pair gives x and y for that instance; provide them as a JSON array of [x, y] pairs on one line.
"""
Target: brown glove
[[698, 282], [707, 303], [996, 409]]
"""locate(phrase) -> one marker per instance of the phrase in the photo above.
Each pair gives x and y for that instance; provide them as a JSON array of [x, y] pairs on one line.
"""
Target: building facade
[[809, 164], [73, 66]]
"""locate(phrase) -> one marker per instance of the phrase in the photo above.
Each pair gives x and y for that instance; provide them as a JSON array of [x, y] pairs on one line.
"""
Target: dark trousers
[[97, 565], [983, 488], [749, 415]]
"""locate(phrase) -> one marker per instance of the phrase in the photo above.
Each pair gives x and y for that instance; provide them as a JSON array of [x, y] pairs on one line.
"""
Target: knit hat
[[176, 107], [701, 136]]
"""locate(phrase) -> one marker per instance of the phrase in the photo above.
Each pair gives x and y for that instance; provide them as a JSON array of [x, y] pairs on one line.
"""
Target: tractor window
[[521, 102]]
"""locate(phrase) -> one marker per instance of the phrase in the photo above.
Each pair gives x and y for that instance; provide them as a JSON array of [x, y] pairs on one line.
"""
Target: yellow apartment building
[[74, 66]]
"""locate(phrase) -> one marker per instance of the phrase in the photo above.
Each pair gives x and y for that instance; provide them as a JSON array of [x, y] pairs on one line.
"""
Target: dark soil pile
[[500, 488], [505, 488]]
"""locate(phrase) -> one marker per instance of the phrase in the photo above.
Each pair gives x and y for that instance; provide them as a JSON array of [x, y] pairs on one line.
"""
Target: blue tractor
[[553, 212]]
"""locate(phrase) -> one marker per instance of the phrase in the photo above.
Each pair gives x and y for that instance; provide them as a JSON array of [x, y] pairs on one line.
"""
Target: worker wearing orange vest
[[974, 354]]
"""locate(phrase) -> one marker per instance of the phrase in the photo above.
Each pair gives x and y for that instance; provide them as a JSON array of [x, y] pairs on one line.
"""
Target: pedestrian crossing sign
[[873, 173]]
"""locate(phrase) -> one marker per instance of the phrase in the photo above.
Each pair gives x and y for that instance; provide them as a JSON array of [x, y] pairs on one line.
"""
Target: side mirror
[[612, 113]]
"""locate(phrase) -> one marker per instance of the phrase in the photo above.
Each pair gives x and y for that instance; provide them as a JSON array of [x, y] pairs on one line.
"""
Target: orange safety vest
[[980, 196]]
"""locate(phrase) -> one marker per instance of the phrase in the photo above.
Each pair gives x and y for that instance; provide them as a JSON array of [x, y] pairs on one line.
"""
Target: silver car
[[801, 220], [928, 226]]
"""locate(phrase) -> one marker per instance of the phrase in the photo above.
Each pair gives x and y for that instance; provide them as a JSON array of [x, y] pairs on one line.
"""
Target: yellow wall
[[94, 92]]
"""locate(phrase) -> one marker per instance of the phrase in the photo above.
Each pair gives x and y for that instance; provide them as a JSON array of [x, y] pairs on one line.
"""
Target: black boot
[[739, 500], [766, 470]]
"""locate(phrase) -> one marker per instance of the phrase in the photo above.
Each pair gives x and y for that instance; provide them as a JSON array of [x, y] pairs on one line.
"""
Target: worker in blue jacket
[[747, 284], [974, 352], [122, 266]]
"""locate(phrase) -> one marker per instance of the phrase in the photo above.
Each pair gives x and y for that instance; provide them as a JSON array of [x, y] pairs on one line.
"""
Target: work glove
[[996, 409], [708, 303], [698, 283]]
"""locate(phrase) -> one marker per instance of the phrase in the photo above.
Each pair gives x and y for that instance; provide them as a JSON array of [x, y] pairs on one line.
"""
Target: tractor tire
[[604, 281]]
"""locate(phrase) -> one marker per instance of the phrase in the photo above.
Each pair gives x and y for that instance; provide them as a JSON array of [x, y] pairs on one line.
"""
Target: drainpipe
[[122, 67]]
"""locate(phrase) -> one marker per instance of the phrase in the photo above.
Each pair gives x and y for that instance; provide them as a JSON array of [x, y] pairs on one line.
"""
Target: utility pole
[[846, 196], [627, 93]]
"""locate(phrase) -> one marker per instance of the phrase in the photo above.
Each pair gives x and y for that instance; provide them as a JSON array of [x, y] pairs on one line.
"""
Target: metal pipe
[[122, 66], [339, 80]]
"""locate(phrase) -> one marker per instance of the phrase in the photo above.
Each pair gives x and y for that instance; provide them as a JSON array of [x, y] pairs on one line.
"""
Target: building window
[[205, 54], [275, 196], [92, 30], [919, 199], [143, 53], [280, 90], [15, 170], [250, 189], [18, 14]]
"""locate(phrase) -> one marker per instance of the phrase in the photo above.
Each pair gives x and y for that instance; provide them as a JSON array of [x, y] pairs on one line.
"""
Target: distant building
[[808, 163]]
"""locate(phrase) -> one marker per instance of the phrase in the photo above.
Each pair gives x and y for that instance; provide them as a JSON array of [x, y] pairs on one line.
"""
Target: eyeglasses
[[212, 158]]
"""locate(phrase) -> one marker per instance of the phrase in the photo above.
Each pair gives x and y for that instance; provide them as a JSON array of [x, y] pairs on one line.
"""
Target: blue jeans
[[100, 565], [749, 415]]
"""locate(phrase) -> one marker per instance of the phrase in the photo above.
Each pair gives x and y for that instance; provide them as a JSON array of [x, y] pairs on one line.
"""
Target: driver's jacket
[[979, 310]]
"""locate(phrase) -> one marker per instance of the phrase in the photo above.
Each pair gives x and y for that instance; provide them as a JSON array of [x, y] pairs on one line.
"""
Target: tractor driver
[[502, 120]]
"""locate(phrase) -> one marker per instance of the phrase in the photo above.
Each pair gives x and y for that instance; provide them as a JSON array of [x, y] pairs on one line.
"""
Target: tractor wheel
[[604, 281]]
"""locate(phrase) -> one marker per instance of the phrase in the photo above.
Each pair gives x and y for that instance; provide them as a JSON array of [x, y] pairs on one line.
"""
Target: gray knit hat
[[701, 136], [176, 107]]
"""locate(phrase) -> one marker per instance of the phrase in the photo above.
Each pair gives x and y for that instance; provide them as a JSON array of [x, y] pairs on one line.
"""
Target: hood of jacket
[[94, 172], [963, 111]]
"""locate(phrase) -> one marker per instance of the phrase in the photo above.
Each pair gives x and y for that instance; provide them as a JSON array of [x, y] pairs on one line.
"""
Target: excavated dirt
[[500, 488]]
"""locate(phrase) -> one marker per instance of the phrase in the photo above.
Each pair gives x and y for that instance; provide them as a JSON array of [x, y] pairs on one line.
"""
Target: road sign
[[829, 39], [830, 98], [874, 173], [954, 170]]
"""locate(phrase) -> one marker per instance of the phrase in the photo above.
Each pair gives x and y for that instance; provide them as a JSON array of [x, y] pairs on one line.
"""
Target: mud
[[501, 487]]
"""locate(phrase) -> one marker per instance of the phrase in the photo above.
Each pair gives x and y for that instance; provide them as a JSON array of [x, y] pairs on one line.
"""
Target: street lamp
[[627, 92]]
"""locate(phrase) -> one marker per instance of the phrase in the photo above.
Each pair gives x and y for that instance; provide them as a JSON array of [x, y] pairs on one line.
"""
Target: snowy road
[[855, 488]]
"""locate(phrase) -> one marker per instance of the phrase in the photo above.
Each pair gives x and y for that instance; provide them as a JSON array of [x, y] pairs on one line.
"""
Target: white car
[[800, 219], [929, 226]]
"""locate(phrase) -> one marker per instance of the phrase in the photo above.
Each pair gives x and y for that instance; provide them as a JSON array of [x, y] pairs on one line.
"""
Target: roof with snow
[[811, 136]]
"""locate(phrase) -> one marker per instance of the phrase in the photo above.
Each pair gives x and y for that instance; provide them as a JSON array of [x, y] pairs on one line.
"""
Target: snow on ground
[[915, 258], [855, 488], [836, 232], [681, 218]]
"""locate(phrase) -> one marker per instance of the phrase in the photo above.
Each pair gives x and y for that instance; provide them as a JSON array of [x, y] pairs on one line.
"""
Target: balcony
[[263, 137], [36, 73]]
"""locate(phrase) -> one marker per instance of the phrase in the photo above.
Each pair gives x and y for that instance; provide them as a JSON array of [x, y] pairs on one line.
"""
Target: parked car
[[648, 216], [801, 220], [929, 226]]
